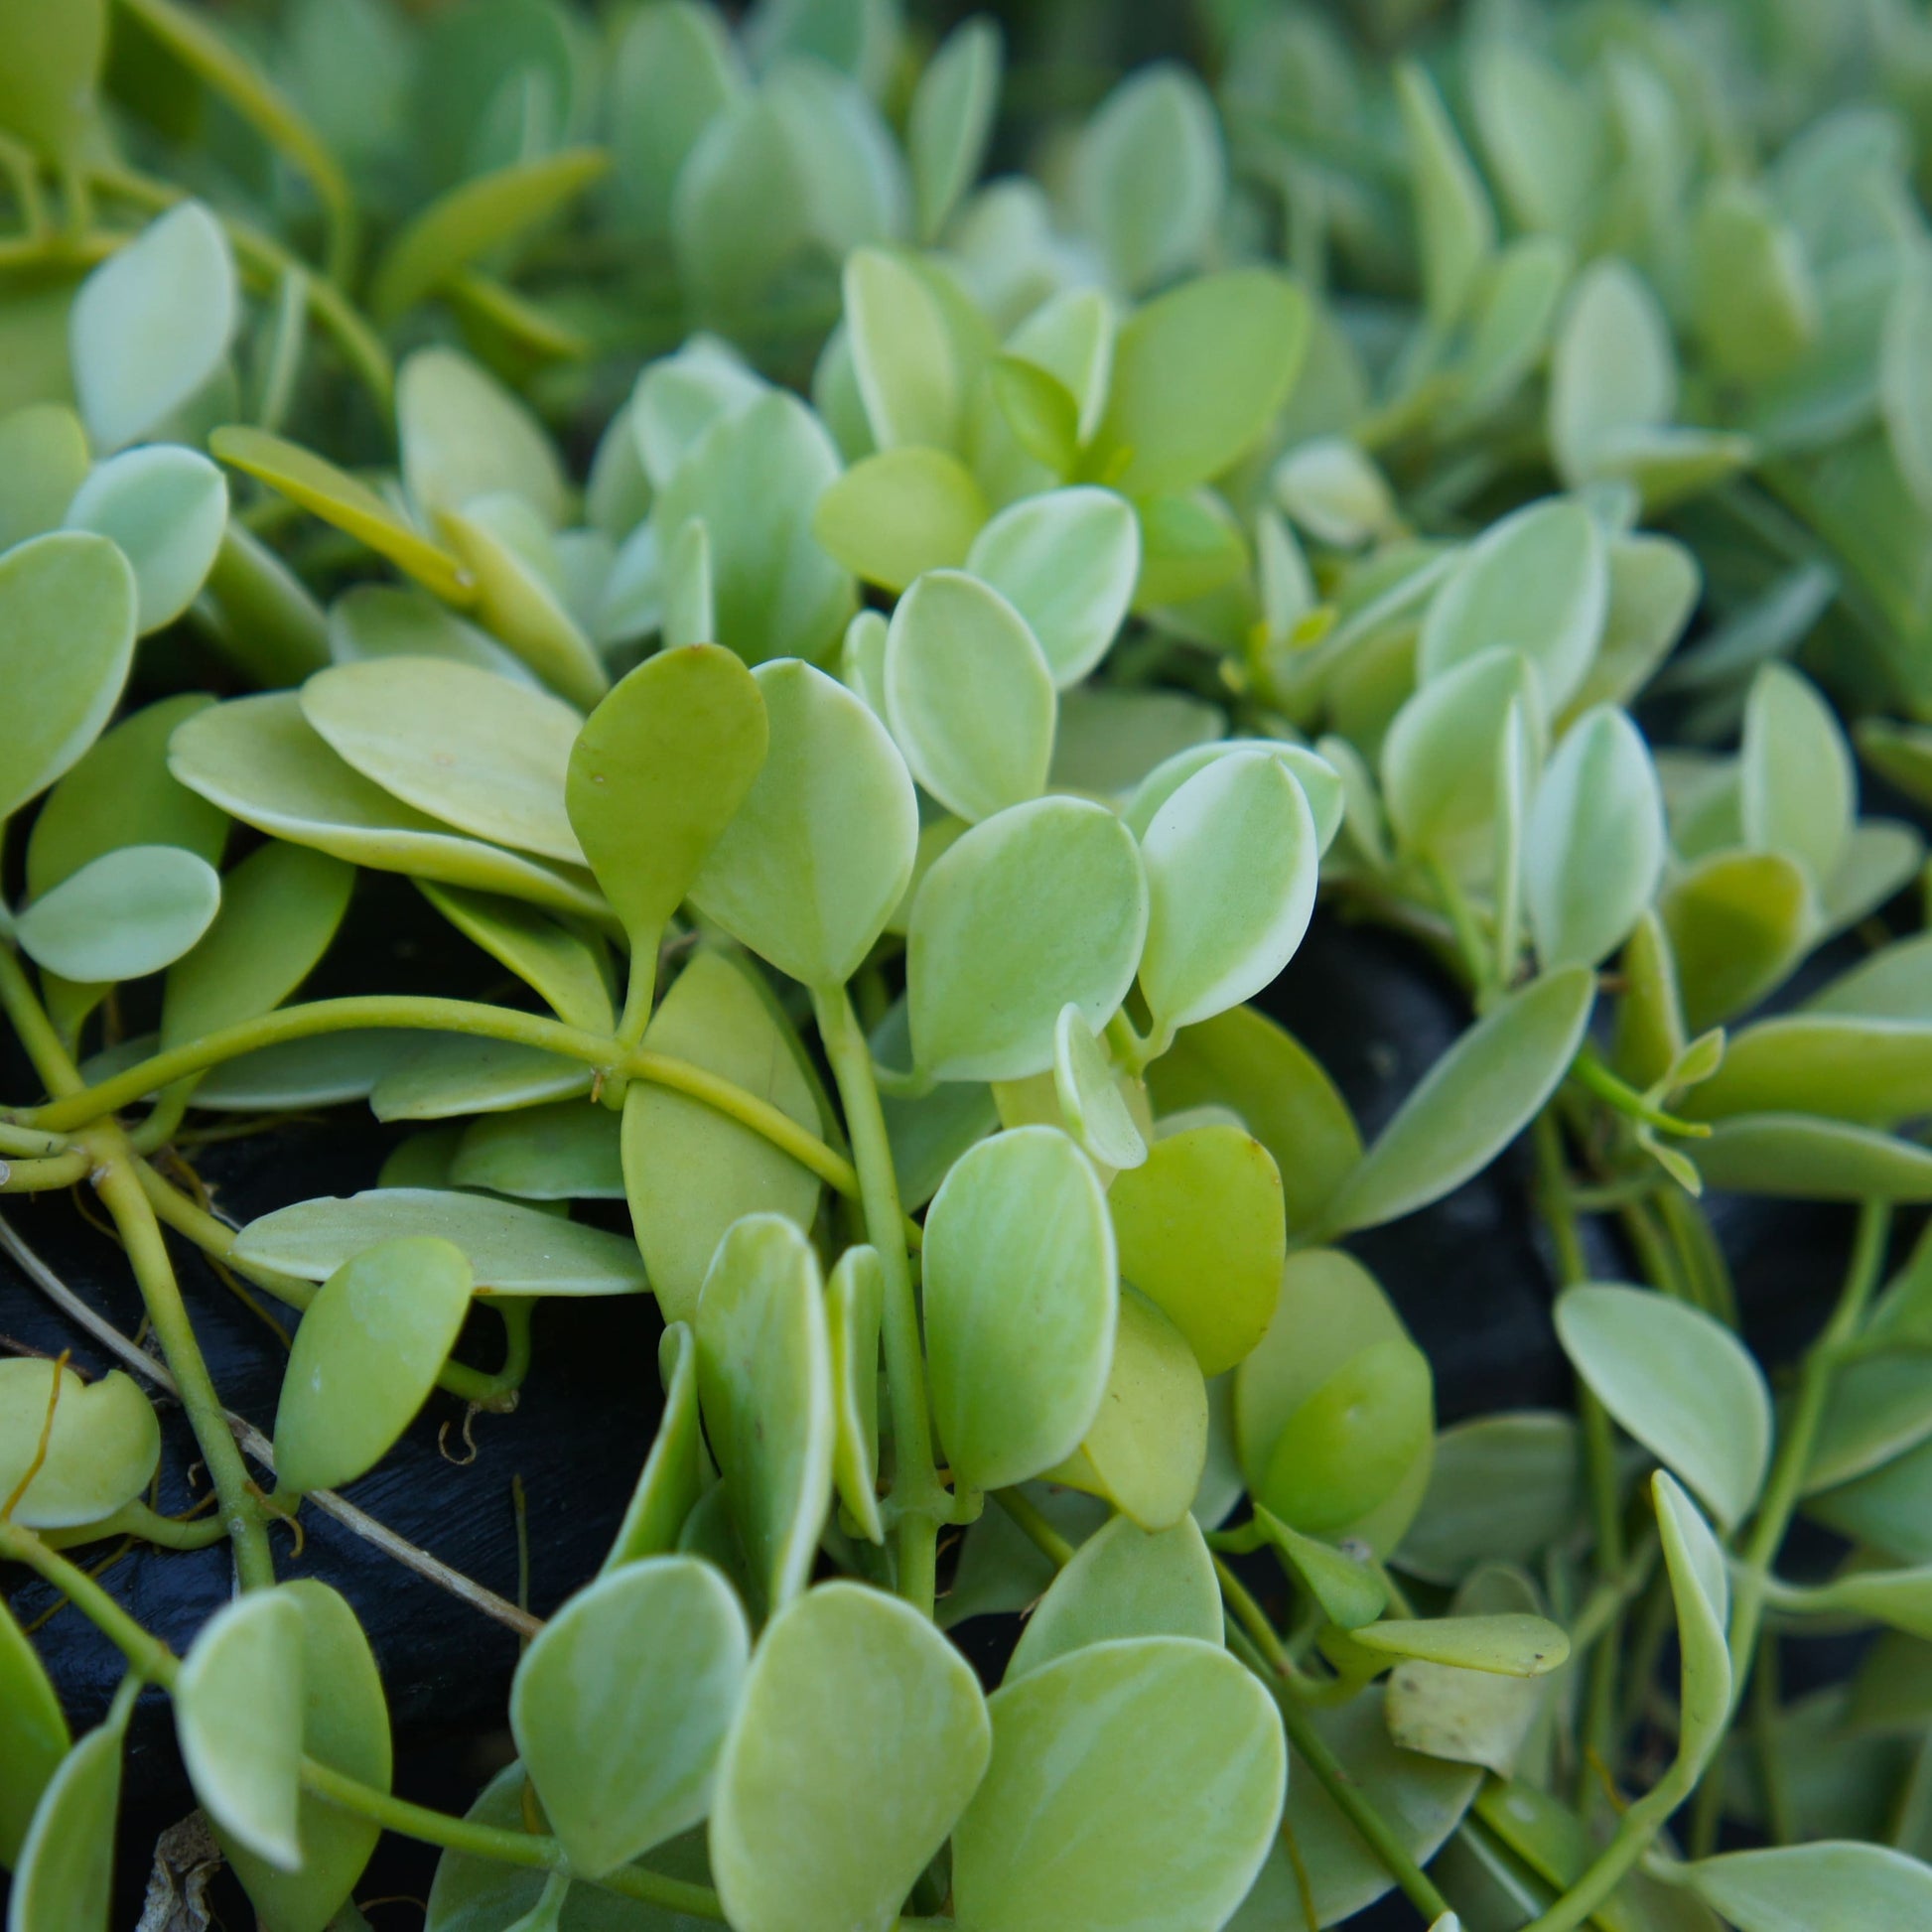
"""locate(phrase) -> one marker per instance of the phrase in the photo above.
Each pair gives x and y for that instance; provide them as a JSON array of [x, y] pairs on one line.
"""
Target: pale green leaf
[[166, 509], [131, 911], [102, 1443]]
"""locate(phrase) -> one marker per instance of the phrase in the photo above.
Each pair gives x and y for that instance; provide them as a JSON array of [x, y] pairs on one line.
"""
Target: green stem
[[34, 1031], [1635, 1830], [148, 1655], [118, 1183], [1334, 1778], [42, 1176], [1590, 1073], [1032, 1524], [919, 1500], [23, 1144]]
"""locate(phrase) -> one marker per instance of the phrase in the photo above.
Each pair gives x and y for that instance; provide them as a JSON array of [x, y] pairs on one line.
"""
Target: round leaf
[[101, 1450], [1092, 1104], [808, 872], [901, 512], [1019, 1304], [621, 1703], [166, 509], [862, 1736], [1851, 1886], [1503, 1488], [1737, 923], [969, 695], [1797, 783], [1040, 907], [129, 912], [65, 1880], [1134, 1784], [367, 1356], [902, 351], [464, 435], [951, 120]]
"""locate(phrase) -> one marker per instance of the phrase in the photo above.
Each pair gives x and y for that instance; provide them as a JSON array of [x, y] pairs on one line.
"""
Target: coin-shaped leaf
[[151, 325], [280, 909], [808, 872], [439, 1075], [1136, 1783], [657, 772], [1797, 783], [261, 761], [1503, 1488], [166, 508], [344, 1725], [561, 1150], [367, 1356], [1067, 562], [902, 351], [511, 1249], [473, 749], [464, 435], [390, 620], [64, 1879], [1737, 923], [1319, 782], [621, 1703], [66, 637], [1039, 907], [345, 501], [130, 911], [44, 460], [765, 1383], [1860, 1887], [1612, 370], [32, 1735], [1594, 847], [1020, 1305], [1198, 374], [969, 695], [855, 1302], [690, 1171], [101, 1446], [1473, 1102], [1538, 582], [238, 1710], [1124, 1583], [951, 120], [1201, 1232], [861, 1738], [1231, 864], [677, 1468], [1093, 1105], [900, 512], [569, 968]]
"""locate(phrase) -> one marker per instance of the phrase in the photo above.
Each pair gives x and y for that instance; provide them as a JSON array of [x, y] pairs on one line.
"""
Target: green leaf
[[621, 1703], [1878, 1409], [1893, 983], [819, 853], [1841, 1067], [564, 1151], [50, 62], [675, 68], [690, 1171], [1124, 1583], [1754, 297], [121, 793], [1150, 175], [969, 695], [568, 968], [1438, 759], [1680, 1382], [239, 1711], [1198, 374], [902, 351], [854, 1302], [1243, 1060], [280, 909], [151, 323], [862, 1736], [1040, 907], [1110, 739], [1593, 850], [1134, 1783], [102, 1445], [1335, 1344], [950, 120], [1199, 1231], [1904, 394], [1503, 1488], [1471, 1103], [1737, 923], [1612, 370], [1700, 1592], [1067, 562], [344, 1725], [1093, 1105], [658, 771], [367, 1356], [1037, 408], [1851, 1887], [1348, 1590], [166, 509], [1456, 227], [441, 1075], [676, 1471], [1813, 1160], [1539, 136], [901, 512], [477, 216], [261, 761], [64, 1879], [1070, 337], [1020, 1305], [33, 1736], [1798, 785], [511, 1250], [43, 461], [67, 639], [1538, 582], [464, 435], [740, 208], [1505, 1645], [1886, 1508], [1421, 1798], [1232, 861], [1146, 1449], [129, 912], [256, 612], [765, 1384]]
